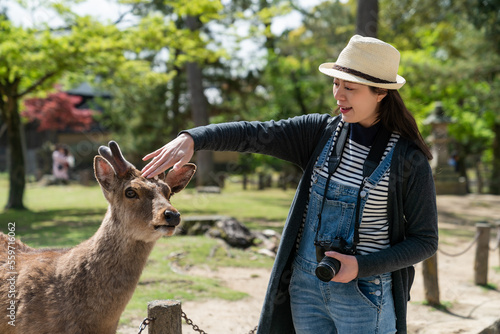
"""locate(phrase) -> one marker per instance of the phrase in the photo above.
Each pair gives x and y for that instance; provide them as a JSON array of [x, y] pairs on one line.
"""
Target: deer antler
[[114, 156]]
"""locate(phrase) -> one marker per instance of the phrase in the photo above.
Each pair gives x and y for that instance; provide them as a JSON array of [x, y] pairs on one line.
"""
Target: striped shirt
[[374, 228]]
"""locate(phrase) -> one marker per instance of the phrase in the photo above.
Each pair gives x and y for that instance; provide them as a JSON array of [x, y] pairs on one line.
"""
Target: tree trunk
[[17, 181], [270, 39], [367, 18], [176, 105], [495, 174], [199, 110], [245, 181], [479, 177], [178, 87], [299, 98]]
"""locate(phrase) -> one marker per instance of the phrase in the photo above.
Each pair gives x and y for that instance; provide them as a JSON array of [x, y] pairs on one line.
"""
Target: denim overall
[[364, 305]]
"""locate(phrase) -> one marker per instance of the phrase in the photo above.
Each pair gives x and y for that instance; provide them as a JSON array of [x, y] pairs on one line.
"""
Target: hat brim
[[327, 69]]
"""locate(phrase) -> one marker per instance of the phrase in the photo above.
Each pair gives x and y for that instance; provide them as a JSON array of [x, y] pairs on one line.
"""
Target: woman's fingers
[[176, 153]]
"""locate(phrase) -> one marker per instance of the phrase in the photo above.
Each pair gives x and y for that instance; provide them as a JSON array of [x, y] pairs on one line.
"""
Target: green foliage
[[294, 84], [443, 65], [206, 10], [151, 102], [449, 54], [485, 14], [137, 113], [31, 55], [33, 59]]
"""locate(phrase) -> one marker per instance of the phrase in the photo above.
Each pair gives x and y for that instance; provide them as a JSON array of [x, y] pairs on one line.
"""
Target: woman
[[365, 208]]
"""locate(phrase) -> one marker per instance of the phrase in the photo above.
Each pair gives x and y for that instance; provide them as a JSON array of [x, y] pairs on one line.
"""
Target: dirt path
[[469, 308]]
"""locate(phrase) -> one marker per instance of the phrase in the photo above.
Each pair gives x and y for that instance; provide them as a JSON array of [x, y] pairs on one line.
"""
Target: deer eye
[[130, 193], [167, 192]]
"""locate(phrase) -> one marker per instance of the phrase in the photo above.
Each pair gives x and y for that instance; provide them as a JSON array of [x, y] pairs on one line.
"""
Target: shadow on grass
[[445, 309], [53, 228]]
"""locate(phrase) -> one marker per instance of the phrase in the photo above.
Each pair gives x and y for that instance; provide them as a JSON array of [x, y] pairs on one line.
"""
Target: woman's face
[[357, 102]]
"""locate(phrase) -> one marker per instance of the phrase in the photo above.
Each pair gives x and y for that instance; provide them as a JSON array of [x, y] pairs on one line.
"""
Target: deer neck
[[108, 263], [113, 247]]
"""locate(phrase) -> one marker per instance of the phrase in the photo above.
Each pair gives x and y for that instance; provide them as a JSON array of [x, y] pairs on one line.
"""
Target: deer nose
[[173, 218]]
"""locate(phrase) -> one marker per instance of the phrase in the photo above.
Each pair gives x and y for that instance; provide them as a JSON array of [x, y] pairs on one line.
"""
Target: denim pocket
[[336, 218], [372, 290]]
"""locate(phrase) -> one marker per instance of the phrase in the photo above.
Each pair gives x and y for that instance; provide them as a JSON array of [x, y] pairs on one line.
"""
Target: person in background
[[365, 209], [62, 161]]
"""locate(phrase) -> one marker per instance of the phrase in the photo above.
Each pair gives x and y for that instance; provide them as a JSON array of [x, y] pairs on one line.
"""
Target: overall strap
[[333, 163]]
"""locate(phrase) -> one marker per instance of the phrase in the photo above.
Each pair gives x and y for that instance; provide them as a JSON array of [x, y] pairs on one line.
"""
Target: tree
[[295, 86], [34, 59], [139, 114], [367, 18], [199, 107], [197, 60], [290, 83], [459, 69], [485, 15], [156, 111], [58, 112]]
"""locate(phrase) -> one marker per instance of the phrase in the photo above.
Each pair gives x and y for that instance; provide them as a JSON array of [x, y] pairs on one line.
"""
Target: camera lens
[[327, 268]]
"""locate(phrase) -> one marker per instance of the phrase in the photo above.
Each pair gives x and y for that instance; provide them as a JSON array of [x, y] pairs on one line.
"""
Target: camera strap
[[336, 155], [333, 163]]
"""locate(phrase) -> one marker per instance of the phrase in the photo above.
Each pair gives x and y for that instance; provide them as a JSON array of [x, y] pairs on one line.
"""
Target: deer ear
[[178, 180], [104, 172]]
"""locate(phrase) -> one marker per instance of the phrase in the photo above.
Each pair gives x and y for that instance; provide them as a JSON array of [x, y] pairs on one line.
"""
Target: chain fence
[[145, 324], [462, 252], [195, 327], [495, 247]]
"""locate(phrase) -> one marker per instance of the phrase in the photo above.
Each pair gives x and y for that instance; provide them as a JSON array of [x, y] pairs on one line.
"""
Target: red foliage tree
[[58, 112]]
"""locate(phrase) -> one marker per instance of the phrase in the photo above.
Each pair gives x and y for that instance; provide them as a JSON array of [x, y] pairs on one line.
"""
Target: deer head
[[140, 207]]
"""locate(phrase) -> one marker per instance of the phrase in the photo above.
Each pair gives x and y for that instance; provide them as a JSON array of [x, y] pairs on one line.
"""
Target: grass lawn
[[63, 216]]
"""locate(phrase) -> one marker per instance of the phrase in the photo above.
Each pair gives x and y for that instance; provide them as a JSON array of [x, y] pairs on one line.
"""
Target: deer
[[85, 289]]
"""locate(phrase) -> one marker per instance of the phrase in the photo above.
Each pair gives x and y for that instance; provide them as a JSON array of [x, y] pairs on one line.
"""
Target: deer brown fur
[[85, 289]]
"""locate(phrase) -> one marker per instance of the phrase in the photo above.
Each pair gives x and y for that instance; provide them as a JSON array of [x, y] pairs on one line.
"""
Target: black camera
[[328, 267]]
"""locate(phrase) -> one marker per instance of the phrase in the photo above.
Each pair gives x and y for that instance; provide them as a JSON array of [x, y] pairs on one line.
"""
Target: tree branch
[[36, 84], [118, 20], [299, 9]]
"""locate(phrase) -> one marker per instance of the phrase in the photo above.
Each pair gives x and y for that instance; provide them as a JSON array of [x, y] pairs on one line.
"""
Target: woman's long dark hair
[[396, 117]]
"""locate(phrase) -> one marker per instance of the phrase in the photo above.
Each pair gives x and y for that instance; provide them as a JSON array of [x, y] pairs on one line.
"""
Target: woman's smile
[[344, 110]]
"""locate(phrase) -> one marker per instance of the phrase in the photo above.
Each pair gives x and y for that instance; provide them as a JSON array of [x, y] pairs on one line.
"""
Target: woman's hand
[[176, 153], [348, 267]]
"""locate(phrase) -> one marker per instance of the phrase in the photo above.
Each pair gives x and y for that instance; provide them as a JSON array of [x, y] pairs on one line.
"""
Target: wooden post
[[431, 284], [166, 315], [497, 244], [482, 251]]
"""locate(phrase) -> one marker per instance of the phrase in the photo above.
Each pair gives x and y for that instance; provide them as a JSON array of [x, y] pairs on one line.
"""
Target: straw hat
[[368, 61]]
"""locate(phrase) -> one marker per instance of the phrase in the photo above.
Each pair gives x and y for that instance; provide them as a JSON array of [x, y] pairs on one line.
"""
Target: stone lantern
[[446, 179]]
